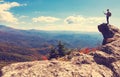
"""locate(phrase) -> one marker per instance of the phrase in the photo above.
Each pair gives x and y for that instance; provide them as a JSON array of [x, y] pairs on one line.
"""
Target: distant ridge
[[51, 37]]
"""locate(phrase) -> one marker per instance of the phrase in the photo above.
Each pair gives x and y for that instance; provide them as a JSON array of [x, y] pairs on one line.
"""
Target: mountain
[[28, 45], [18, 38], [37, 38], [15, 46], [103, 62]]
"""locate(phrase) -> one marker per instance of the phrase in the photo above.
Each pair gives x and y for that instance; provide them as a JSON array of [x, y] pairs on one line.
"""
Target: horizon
[[55, 31], [56, 15]]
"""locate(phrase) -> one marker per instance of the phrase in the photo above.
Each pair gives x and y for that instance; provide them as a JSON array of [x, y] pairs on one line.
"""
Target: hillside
[[104, 62], [14, 53], [29, 45], [37, 38], [11, 54], [21, 45], [17, 37]]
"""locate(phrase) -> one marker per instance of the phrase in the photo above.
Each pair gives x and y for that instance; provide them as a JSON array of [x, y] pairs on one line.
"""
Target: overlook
[[59, 38], [104, 62]]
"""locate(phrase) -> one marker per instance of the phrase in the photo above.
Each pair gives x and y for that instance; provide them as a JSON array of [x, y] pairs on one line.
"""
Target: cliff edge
[[104, 62], [110, 33]]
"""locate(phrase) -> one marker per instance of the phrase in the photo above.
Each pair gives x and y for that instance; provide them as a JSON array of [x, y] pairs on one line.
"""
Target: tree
[[53, 53], [61, 49], [58, 51]]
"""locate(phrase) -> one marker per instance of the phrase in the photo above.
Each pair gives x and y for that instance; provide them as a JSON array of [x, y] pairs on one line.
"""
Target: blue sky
[[67, 15]]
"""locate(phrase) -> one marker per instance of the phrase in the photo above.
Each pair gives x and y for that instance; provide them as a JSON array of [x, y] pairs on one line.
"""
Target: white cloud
[[5, 15], [75, 23], [67, 27], [23, 16], [45, 19], [8, 6], [83, 20], [74, 19]]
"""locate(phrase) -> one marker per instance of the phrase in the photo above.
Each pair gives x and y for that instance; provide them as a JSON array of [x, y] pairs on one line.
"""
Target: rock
[[82, 59], [111, 42], [103, 58], [116, 68], [110, 48], [109, 32], [55, 69]]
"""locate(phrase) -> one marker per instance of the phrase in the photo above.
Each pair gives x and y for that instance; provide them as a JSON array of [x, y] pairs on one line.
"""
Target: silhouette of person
[[108, 14]]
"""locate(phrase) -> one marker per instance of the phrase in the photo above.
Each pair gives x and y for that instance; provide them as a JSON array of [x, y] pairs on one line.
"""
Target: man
[[108, 14]]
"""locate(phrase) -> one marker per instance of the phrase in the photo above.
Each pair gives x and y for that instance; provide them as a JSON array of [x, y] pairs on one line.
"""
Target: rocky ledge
[[102, 63]]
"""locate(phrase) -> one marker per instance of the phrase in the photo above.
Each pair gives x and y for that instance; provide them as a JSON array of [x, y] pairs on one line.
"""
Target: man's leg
[[107, 20]]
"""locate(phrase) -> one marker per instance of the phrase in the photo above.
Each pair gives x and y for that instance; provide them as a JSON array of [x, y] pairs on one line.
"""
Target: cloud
[[45, 19], [8, 6], [5, 15], [23, 16], [74, 23], [82, 20], [67, 27]]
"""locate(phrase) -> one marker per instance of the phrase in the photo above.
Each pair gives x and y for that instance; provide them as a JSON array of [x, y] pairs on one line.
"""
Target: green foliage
[[59, 51], [53, 53]]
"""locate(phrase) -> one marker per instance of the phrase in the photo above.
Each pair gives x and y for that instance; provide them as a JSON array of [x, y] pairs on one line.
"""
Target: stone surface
[[111, 46], [82, 59], [111, 42], [109, 32], [103, 58], [55, 69], [116, 68]]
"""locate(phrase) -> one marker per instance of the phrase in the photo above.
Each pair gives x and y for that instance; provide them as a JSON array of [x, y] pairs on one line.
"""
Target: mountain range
[[37, 38], [27, 45]]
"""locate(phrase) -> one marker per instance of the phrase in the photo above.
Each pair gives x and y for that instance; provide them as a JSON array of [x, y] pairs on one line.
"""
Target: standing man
[[108, 14]]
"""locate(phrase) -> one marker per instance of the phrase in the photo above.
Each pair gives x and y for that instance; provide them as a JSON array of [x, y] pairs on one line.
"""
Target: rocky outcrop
[[111, 42], [110, 47], [78, 67], [109, 32], [104, 62]]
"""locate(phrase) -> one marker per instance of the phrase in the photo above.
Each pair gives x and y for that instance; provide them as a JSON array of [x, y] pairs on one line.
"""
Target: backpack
[[109, 14]]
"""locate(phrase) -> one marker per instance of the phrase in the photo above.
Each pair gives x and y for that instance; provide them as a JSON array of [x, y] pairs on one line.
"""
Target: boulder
[[109, 32], [111, 41]]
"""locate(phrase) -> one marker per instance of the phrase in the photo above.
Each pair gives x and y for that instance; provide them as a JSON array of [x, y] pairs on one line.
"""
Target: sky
[[58, 15]]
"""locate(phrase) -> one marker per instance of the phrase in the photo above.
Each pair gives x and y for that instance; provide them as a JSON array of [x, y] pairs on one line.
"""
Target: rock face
[[109, 32], [111, 42], [111, 47], [102, 63]]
